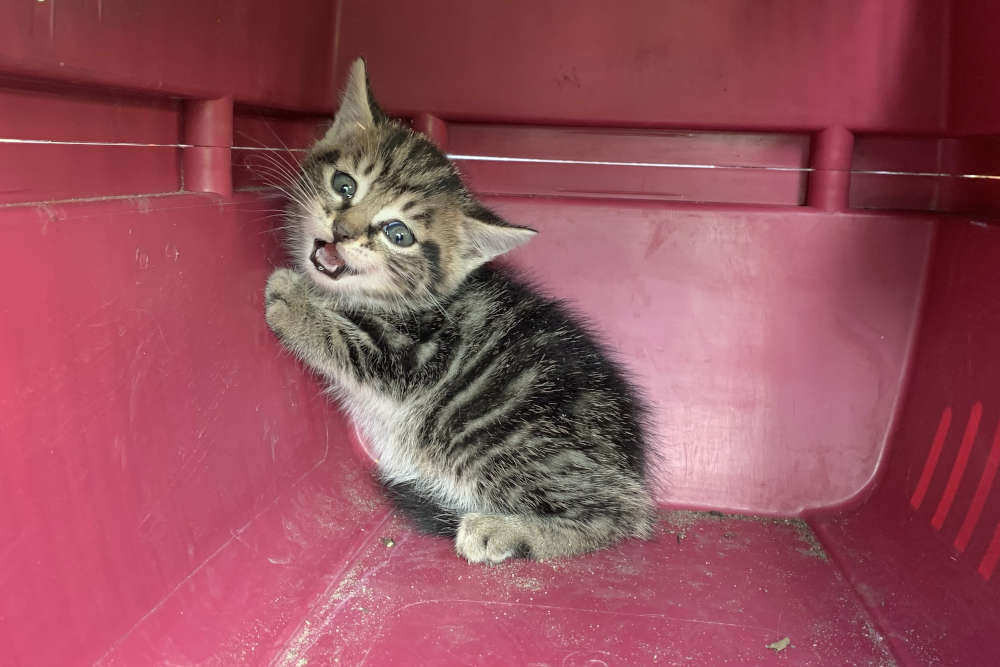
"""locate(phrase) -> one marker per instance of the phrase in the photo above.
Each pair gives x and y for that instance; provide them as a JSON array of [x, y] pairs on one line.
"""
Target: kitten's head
[[384, 220]]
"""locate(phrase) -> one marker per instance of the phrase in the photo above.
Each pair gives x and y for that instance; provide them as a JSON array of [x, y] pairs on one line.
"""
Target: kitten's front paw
[[491, 538], [281, 297], [281, 283]]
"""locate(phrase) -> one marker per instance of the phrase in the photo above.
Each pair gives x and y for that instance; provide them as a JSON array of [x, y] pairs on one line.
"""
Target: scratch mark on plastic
[[561, 608]]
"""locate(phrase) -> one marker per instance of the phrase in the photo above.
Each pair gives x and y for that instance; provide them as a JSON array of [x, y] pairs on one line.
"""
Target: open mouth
[[327, 260]]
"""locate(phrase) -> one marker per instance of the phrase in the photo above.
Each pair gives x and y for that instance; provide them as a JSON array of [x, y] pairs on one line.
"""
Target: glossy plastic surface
[[256, 51], [923, 551], [177, 490], [748, 330], [137, 436]]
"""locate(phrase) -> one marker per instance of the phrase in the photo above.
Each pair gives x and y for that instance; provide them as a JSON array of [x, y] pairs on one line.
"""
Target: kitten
[[495, 416]]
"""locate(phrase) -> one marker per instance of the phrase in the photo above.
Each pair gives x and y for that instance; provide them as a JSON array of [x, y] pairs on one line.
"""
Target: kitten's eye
[[343, 185], [398, 233]]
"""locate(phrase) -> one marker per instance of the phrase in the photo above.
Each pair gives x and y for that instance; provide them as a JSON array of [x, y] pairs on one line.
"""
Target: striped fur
[[495, 415]]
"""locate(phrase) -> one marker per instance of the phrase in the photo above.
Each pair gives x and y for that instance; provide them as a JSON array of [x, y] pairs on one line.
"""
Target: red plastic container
[[784, 215]]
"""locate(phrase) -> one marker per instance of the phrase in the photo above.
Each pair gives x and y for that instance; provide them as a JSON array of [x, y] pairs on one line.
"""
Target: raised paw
[[281, 297], [281, 284], [491, 538]]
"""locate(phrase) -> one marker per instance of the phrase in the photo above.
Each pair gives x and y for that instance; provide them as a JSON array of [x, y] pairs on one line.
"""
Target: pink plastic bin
[[784, 214]]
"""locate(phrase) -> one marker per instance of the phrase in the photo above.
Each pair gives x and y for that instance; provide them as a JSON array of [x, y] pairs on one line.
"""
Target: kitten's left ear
[[358, 108], [487, 236]]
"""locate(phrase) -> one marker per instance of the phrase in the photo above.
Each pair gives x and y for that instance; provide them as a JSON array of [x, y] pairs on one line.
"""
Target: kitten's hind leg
[[492, 538]]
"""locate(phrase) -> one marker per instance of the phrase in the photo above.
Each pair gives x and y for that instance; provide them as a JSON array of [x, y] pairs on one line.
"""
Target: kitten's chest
[[387, 424]]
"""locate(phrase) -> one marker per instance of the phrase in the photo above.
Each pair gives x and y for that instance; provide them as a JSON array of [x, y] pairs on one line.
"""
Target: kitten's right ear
[[358, 108]]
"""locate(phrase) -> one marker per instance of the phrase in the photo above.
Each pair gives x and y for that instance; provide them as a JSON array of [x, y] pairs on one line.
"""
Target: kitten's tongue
[[327, 260], [329, 256]]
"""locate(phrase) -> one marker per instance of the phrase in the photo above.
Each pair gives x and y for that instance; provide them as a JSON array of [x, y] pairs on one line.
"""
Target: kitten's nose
[[347, 227], [340, 231]]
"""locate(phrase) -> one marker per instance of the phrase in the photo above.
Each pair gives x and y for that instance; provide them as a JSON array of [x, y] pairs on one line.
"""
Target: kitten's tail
[[428, 515]]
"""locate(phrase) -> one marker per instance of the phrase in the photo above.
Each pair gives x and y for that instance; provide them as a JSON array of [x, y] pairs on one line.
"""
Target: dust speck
[[528, 583], [779, 645]]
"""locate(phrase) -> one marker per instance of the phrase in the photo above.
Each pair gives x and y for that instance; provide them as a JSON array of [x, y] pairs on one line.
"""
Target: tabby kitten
[[495, 416]]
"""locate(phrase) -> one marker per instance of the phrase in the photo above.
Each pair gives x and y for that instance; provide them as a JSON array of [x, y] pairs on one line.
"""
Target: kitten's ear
[[358, 108], [487, 236]]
